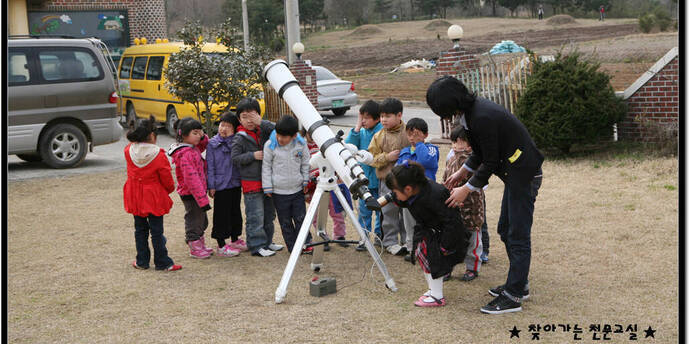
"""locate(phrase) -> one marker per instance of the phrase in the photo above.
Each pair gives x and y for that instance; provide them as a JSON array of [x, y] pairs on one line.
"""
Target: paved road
[[103, 158], [110, 157]]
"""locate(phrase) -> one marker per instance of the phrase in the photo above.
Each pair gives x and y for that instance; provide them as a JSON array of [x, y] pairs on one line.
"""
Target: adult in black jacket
[[501, 146], [440, 239]]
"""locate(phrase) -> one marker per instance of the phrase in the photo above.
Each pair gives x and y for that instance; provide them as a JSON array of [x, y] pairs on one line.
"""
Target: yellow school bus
[[142, 83]]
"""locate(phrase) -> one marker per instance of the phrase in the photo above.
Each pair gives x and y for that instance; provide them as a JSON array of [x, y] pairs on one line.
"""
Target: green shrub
[[662, 18], [646, 22], [568, 102]]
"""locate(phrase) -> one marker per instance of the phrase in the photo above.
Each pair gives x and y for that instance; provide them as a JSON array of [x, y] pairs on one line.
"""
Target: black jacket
[[440, 225], [243, 148], [501, 145]]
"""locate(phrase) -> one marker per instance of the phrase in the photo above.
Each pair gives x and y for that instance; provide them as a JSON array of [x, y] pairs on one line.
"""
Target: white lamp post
[[455, 33], [298, 49]]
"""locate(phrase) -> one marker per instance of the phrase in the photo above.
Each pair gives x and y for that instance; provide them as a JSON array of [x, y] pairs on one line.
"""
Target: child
[[225, 189], [368, 124], [247, 154], [472, 210], [146, 191], [190, 170], [335, 210], [284, 177], [439, 242], [424, 153], [385, 146], [484, 256]]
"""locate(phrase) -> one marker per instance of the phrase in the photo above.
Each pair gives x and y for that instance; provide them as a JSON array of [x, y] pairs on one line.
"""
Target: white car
[[334, 93]]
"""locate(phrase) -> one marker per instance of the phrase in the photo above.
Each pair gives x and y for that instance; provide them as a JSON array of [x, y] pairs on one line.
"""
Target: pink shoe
[[196, 250], [203, 244], [239, 245], [435, 303], [227, 251]]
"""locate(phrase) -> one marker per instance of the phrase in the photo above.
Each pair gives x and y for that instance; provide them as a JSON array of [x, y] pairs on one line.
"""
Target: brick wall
[[146, 18], [301, 70], [655, 102], [455, 61]]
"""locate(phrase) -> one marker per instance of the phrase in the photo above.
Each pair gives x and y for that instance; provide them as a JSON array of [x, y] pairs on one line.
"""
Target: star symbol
[[649, 332], [514, 332]]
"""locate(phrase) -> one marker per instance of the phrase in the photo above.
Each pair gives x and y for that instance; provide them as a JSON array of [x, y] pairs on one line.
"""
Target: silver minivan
[[62, 99]]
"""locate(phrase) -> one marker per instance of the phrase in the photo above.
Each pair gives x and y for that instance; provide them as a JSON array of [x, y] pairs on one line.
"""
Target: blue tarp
[[506, 47]]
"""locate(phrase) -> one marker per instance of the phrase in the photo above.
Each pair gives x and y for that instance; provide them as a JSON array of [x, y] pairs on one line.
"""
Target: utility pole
[[291, 28], [245, 25]]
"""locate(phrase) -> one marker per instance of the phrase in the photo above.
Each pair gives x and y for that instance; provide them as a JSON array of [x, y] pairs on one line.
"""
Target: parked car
[[62, 99], [335, 94], [142, 84]]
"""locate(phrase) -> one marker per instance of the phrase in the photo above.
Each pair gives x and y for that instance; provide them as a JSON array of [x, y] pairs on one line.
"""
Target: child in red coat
[[149, 182], [190, 170]]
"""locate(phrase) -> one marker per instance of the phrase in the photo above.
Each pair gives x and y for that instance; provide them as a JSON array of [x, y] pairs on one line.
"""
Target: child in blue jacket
[[426, 154], [368, 124]]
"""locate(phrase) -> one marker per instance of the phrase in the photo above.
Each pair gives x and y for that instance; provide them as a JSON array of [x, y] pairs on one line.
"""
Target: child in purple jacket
[[190, 171], [225, 188]]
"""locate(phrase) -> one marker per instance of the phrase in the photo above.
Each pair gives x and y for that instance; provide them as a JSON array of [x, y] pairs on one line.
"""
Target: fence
[[275, 106], [501, 82]]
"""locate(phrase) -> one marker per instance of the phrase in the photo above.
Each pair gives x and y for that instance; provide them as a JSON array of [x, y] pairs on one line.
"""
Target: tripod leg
[[390, 283], [297, 249], [321, 218]]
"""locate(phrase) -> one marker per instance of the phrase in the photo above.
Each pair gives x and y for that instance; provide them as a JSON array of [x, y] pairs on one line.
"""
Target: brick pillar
[[306, 76], [453, 62], [456, 61]]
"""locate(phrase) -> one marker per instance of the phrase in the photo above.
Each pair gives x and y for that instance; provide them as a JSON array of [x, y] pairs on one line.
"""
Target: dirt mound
[[560, 20], [365, 30], [437, 24]]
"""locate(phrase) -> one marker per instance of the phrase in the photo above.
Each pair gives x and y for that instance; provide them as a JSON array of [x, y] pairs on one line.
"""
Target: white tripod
[[327, 181]]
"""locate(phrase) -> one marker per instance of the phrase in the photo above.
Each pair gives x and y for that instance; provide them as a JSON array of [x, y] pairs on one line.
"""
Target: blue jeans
[[260, 214], [142, 227], [291, 210], [514, 227], [365, 215]]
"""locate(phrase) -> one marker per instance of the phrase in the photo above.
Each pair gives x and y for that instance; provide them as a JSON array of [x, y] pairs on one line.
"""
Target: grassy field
[[604, 250]]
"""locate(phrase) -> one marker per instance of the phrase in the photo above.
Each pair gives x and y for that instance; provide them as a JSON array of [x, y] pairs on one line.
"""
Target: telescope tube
[[344, 163]]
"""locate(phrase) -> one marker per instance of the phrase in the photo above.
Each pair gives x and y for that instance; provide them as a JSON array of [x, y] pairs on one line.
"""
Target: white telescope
[[334, 156], [344, 163]]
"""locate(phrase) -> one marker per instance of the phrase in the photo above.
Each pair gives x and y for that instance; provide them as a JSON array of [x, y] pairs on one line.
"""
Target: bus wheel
[[170, 121]]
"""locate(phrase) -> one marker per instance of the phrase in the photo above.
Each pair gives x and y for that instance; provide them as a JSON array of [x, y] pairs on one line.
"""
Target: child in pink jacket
[[190, 170]]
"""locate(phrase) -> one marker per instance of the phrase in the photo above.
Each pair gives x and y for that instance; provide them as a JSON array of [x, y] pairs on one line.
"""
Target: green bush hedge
[[646, 22], [568, 102]]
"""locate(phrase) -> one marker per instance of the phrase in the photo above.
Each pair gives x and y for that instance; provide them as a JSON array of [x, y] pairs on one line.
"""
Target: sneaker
[[430, 301], [499, 290], [171, 268], [408, 258], [342, 244], [308, 250], [275, 247], [396, 250], [227, 251], [239, 245], [361, 247], [469, 275], [262, 252], [484, 257], [134, 265], [326, 248], [502, 304]]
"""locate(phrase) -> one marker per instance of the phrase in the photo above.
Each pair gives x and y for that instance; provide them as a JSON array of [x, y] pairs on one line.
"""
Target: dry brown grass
[[605, 248]]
